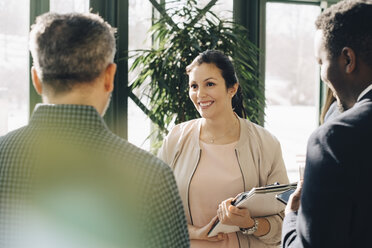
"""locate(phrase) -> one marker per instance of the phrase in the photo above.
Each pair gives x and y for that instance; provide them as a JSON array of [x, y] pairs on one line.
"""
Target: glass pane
[[139, 125], [292, 79], [66, 6], [223, 8], [14, 64], [140, 13]]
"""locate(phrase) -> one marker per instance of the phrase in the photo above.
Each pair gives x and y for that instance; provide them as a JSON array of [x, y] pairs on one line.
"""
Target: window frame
[[116, 116], [250, 14], [37, 7]]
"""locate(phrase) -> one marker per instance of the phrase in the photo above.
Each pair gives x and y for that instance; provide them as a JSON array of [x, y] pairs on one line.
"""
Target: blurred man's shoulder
[[138, 158]]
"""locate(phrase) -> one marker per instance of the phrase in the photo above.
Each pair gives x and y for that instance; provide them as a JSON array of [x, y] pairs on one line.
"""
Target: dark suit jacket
[[336, 204]]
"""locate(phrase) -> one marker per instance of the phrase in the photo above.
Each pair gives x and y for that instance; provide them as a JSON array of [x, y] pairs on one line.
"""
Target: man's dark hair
[[348, 24], [68, 49]]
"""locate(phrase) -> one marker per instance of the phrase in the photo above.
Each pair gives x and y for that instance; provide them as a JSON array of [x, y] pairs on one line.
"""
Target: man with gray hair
[[65, 179]]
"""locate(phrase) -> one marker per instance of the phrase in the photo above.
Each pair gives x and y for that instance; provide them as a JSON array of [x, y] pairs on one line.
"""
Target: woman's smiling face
[[207, 90]]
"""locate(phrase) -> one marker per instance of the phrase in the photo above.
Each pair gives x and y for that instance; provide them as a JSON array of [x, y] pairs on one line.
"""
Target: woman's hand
[[231, 215], [201, 233], [294, 200]]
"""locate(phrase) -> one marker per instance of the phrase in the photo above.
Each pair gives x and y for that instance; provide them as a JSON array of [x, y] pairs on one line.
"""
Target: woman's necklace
[[211, 138]]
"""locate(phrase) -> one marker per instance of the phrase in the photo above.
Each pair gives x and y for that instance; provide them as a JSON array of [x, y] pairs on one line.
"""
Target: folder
[[260, 201]]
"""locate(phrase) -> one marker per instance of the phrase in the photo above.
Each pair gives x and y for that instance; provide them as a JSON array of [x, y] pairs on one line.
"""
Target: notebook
[[260, 202]]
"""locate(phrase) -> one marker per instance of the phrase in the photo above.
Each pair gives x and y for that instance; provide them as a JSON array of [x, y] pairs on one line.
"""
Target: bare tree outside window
[[292, 77], [14, 63], [139, 125]]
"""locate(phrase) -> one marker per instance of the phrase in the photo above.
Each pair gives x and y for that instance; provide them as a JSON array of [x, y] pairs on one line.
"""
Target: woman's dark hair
[[228, 73]]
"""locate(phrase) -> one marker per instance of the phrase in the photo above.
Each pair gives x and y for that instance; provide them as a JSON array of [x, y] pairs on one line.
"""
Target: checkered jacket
[[67, 169]]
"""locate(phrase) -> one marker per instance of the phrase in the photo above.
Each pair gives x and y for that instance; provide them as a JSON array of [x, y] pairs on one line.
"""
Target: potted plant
[[179, 35]]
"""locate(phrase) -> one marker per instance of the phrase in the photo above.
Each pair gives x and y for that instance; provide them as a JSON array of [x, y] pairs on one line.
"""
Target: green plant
[[179, 36]]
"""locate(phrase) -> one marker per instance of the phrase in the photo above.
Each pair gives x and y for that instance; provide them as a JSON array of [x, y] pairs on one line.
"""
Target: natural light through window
[[292, 79], [140, 12], [14, 63], [66, 6], [139, 125]]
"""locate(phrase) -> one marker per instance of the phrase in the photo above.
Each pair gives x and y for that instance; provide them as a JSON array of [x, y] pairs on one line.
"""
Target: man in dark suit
[[65, 179], [333, 207]]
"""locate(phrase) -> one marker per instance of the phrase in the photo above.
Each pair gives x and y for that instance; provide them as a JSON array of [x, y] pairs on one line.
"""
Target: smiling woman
[[220, 155], [212, 99], [214, 68], [208, 90]]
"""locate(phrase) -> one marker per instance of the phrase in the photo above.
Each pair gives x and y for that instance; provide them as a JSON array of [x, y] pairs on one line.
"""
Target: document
[[259, 201]]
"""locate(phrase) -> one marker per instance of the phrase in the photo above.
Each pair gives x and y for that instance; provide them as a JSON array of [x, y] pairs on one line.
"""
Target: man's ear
[[110, 77], [349, 58], [36, 81]]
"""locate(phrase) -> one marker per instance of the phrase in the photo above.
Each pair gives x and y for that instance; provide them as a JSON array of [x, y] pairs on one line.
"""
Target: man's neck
[[71, 98], [356, 89]]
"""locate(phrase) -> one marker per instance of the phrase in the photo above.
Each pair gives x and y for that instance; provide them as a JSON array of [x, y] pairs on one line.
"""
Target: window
[[292, 79], [66, 6], [139, 125], [223, 8], [140, 13], [14, 64]]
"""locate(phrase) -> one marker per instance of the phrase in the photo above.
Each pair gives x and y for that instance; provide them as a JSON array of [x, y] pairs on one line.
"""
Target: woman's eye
[[193, 86], [210, 84]]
